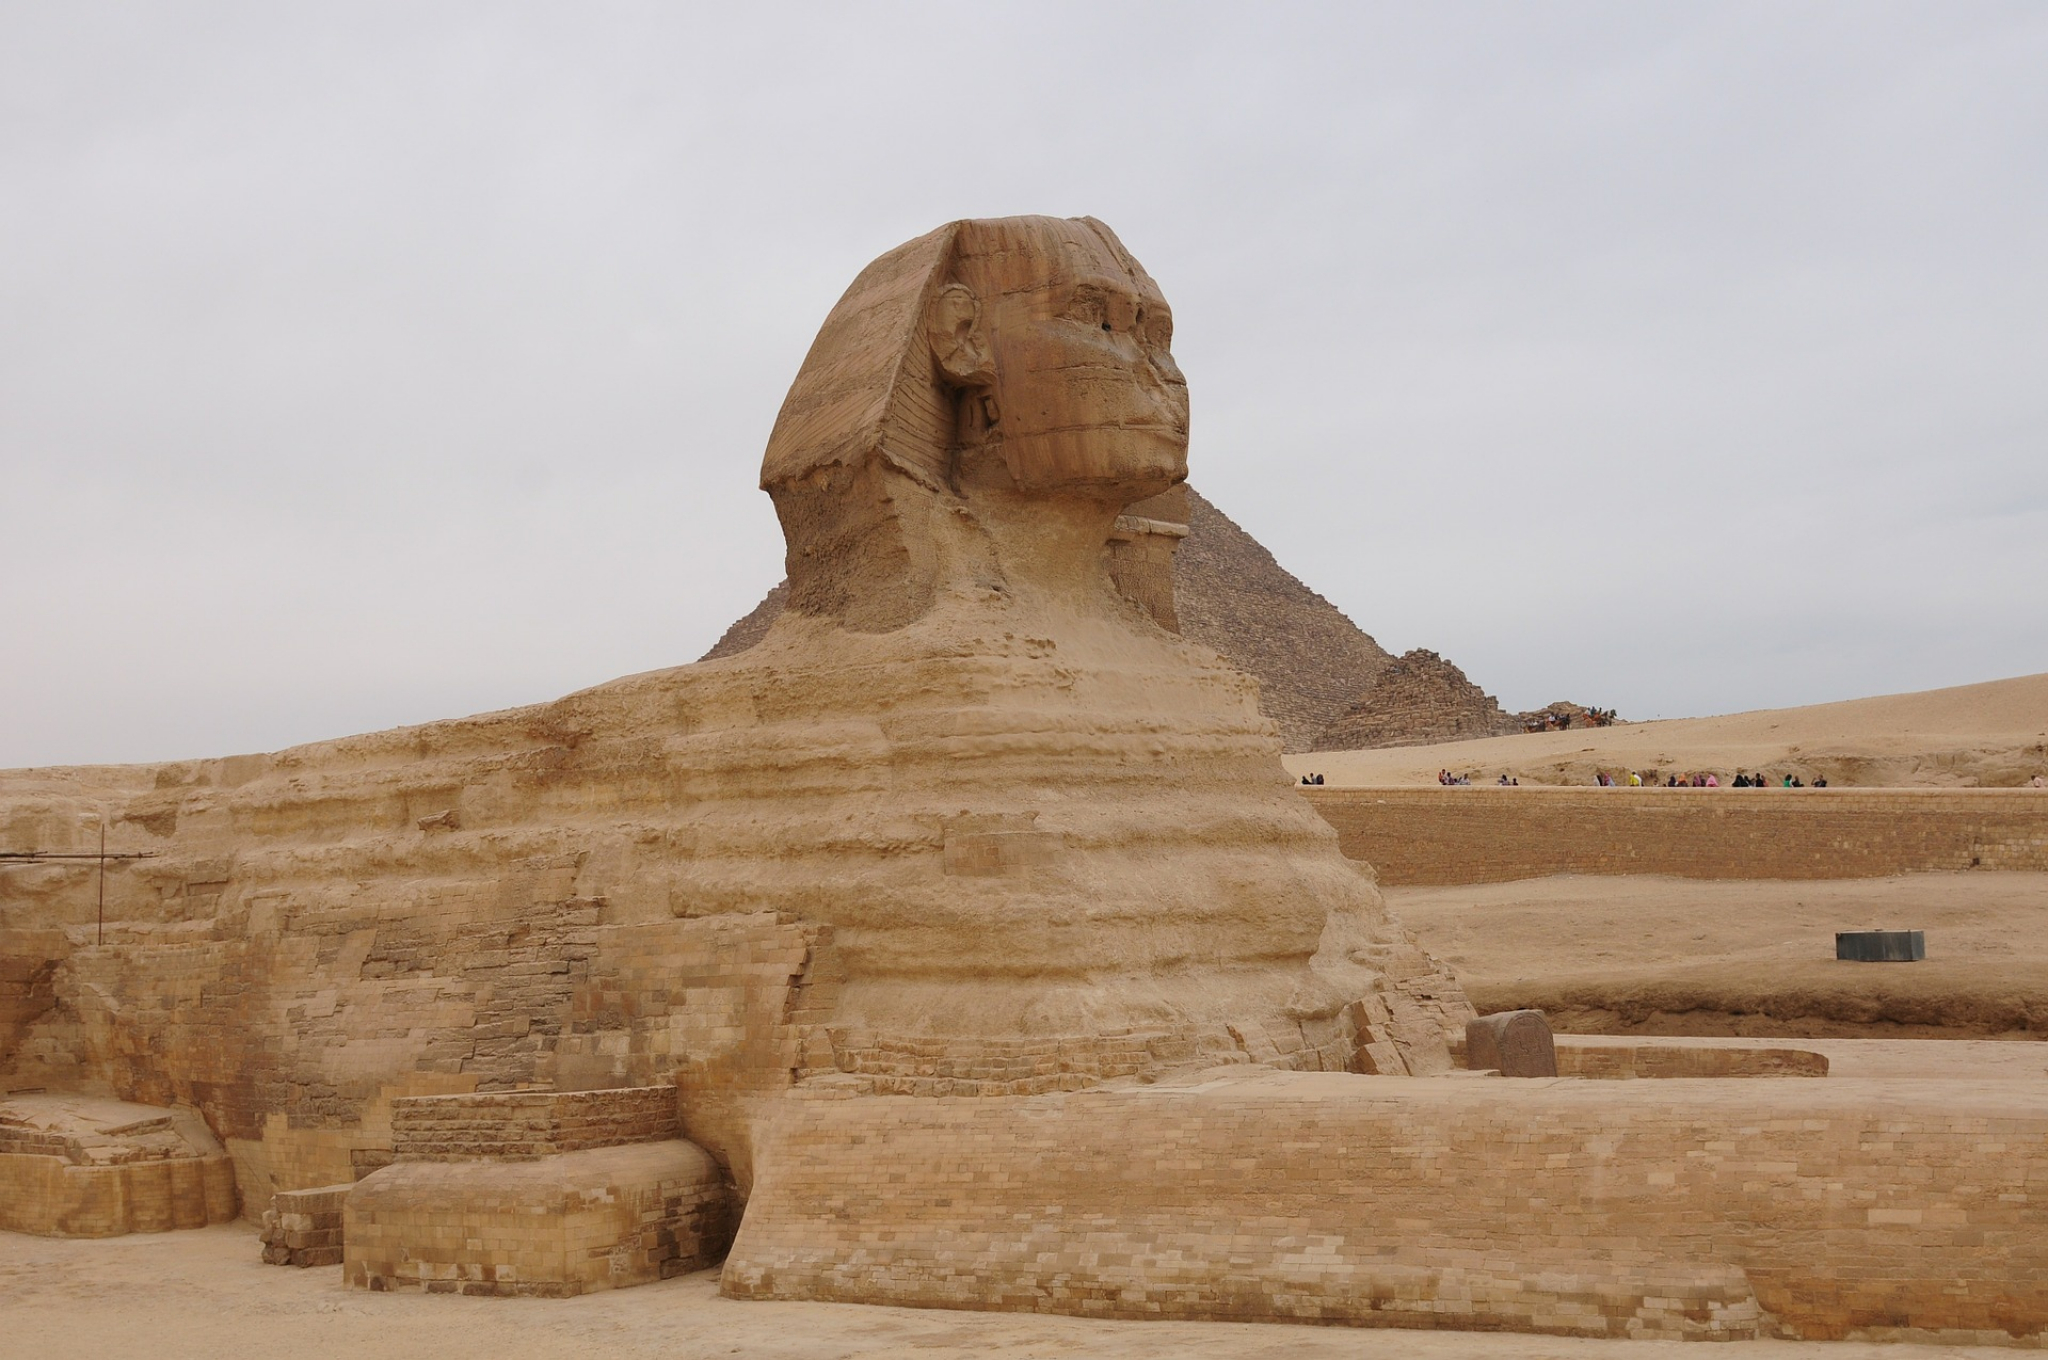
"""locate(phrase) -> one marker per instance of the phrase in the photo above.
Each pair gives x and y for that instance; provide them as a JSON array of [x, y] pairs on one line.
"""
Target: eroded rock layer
[[966, 821]]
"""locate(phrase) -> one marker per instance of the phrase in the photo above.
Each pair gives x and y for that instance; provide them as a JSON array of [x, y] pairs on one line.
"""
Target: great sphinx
[[968, 821]]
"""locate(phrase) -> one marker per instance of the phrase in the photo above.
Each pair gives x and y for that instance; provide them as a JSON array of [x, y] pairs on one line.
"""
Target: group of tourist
[[1703, 780], [1312, 779], [1638, 779]]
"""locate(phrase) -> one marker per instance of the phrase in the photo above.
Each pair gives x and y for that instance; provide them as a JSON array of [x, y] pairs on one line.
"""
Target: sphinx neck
[[1048, 550]]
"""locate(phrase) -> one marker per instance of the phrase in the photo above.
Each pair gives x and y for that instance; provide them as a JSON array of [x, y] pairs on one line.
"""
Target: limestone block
[[86, 1166], [1680, 1210], [304, 1227], [1513, 1043], [552, 1226]]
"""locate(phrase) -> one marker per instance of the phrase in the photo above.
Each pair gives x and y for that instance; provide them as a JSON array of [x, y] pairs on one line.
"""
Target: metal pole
[[103, 878]]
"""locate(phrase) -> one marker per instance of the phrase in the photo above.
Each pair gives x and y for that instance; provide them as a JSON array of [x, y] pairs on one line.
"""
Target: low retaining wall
[[1608, 1059], [1491, 835], [1645, 1208], [552, 1226], [52, 1197]]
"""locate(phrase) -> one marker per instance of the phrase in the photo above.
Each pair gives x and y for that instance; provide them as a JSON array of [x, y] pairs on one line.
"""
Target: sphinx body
[[967, 821]]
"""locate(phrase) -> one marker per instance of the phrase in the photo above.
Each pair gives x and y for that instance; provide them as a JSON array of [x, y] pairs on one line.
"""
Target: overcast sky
[[363, 365]]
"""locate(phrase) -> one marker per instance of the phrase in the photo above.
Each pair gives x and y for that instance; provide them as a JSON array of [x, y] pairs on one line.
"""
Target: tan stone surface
[[1612, 955], [1228, 593], [82, 1166], [967, 820], [1648, 1208], [198, 1295], [1990, 735], [548, 1227]]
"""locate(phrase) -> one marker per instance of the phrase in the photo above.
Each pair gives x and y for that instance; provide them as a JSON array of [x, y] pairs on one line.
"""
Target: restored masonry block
[[555, 1226], [548, 1193], [521, 1125], [1646, 1208], [1580, 1055], [84, 1166], [303, 1227], [1495, 835]]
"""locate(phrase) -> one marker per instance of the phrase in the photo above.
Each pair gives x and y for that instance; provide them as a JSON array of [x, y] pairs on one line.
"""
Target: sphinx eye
[[1106, 326]]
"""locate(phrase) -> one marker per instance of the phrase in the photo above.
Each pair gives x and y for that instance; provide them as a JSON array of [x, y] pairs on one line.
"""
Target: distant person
[[1319, 780], [1788, 781], [1635, 781], [1820, 781], [1741, 781], [1712, 782]]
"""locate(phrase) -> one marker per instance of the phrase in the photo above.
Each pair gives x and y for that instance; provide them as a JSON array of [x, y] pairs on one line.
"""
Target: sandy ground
[[204, 1294], [1989, 735], [1622, 955]]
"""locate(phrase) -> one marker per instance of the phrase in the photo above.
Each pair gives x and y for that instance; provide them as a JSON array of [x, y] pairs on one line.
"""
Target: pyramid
[[1319, 673]]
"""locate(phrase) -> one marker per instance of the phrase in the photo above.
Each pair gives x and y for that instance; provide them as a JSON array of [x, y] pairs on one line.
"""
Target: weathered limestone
[[1609, 1059], [966, 821], [603, 1218], [304, 1227], [84, 1166], [1677, 1209], [538, 1193], [1512, 1043]]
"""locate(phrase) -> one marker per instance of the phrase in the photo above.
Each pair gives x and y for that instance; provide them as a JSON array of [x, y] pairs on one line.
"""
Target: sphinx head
[[977, 408]]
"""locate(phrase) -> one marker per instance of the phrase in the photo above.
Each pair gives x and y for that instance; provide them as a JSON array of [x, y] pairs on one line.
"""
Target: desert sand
[[1993, 735], [1641, 955], [204, 1293]]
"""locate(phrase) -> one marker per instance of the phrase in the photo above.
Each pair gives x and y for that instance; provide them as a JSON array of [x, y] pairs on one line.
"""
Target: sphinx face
[[1088, 396]]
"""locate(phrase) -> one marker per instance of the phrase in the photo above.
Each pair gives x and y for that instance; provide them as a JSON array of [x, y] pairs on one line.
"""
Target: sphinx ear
[[959, 344]]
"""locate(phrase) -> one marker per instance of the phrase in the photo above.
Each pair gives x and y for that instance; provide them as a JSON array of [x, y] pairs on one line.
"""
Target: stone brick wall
[[53, 1197], [1629, 1059], [602, 1218], [304, 1227], [522, 1125], [1640, 1208], [1141, 550], [1493, 835]]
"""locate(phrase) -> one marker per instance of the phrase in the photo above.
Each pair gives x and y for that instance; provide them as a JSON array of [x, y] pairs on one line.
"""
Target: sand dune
[[1993, 735]]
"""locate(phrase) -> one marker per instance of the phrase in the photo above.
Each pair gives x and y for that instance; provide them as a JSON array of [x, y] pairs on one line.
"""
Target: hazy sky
[[367, 364]]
